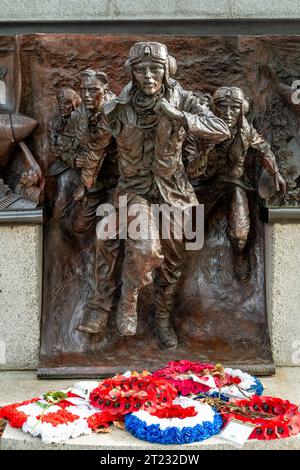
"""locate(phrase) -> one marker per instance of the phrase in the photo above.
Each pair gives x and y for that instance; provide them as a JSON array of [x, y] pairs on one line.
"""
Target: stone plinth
[[21, 291], [20, 295], [283, 291], [14, 439]]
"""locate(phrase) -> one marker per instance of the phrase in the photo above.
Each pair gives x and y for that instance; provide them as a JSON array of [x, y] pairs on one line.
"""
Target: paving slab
[[14, 439]]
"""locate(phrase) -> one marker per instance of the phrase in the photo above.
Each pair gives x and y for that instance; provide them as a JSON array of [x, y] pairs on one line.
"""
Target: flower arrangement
[[183, 422], [56, 416], [123, 395], [274, 418], [192, 378], [150, 408], [180, 375]]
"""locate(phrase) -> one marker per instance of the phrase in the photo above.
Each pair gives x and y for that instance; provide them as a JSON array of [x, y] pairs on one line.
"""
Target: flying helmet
[[233, 93], [95, 73], [66, 92], [154, 51]]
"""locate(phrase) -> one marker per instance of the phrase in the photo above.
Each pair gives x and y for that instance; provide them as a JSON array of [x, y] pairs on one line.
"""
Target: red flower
[[270, 431], [101, 419], [234, 380], [257, 433], [15, 417], [58, 417], [175, 411], [278, 409], [150, 406], [255, 404], [282, 430], [285, 423], [122, 395], [136, 404], [294, 425]]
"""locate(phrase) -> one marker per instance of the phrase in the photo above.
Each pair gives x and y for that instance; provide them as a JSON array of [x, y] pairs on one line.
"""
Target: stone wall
[[20, 295], [91, 10], [283, 291]]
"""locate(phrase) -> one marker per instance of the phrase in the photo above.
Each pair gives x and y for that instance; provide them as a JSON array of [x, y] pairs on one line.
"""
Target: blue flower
[[143, 432], [258, 388], [188, 434], [173, 435], [199, 433], [154, 434]]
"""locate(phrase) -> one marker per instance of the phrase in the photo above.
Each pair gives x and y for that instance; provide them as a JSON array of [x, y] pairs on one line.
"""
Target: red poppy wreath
[[122, 395], [274, 418]]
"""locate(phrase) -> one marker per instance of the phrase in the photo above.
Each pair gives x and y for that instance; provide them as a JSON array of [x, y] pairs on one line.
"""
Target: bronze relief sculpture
[[15, 127], [119, 302], [80, 148], [151, 109], [224, 172]]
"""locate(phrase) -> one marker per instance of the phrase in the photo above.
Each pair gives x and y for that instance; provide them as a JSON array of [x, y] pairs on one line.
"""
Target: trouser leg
[[64, 207], [238, 231], [100, 305], [167, 276], [142, 256], [84, 219], [107, 252]]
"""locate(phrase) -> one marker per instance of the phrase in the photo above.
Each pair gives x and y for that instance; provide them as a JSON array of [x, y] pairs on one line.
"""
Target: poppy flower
[[137, 405], [149, 406], [278, 409], [101, 419], [114, 393], [270, 431], [258, 433], [282, 430], [255, 404], [107, 404], [294, 425]]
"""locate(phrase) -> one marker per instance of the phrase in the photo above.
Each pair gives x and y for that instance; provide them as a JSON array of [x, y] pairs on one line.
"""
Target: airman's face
[[92, 93], [66, 105], [229, 110], [149, 76]]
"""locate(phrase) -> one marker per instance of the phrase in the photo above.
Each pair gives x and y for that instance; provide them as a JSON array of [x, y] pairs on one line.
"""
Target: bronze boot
[[164, 300], [95, 323], [166, 336], [127, 311], [242, 266]]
